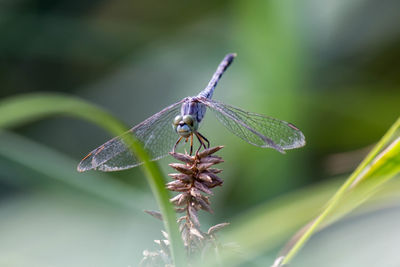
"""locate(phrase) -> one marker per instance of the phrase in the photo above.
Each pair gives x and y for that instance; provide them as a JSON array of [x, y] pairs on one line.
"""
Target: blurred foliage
[[20, 109], [330, 67]]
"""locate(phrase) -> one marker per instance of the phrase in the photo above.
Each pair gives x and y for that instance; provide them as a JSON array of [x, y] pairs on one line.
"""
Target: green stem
[[338, 195]]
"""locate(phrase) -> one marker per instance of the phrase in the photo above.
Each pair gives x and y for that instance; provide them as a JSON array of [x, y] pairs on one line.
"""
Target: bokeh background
[[330, 67]]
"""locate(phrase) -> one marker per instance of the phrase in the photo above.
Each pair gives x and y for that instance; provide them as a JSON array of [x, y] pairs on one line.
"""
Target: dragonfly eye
[[177, 120], [188, 119]]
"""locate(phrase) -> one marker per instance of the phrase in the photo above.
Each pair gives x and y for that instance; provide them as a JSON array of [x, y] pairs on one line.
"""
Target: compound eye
[[188, 119], [177, 120]]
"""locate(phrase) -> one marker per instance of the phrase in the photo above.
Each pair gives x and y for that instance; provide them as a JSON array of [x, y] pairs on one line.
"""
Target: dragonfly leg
[[201, 141], [191, 144], [177, 142], [205, 139]]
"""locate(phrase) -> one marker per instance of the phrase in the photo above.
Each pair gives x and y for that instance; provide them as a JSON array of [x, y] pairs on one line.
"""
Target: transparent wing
[[256, 129], [155, 133]]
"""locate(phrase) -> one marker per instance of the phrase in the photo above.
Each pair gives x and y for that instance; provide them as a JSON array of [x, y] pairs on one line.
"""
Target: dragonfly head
[[185, 125]]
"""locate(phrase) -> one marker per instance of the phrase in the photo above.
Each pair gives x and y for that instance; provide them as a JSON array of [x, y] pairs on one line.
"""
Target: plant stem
[[338, 195]]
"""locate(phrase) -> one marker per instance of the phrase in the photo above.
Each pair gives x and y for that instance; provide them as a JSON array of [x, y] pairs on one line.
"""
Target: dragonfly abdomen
[[209, 90]]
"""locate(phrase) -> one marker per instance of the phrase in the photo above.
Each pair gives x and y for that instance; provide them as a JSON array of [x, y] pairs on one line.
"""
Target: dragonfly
[[159, 138]]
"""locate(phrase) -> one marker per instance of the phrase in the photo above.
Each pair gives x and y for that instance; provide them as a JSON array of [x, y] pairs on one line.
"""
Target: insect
[[159, 138]]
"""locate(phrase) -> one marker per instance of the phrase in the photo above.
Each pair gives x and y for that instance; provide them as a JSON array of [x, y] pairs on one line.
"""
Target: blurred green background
[[330, 67]]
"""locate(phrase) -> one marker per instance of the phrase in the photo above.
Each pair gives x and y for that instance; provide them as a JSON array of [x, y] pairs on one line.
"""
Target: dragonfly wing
[[156, 135], [257, 129]]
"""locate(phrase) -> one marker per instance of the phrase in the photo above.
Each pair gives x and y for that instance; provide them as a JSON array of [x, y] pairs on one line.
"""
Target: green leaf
[[380, 165], [18, 110]]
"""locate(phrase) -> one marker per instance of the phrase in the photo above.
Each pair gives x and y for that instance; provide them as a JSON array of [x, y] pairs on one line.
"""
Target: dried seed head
[[204, 205], [195, 177], [155, 214], [183, 157], [180, 210], [216, 228], [196, 232], [203, 166], [204, 177], [192, 215], [182, 168], [213, 176], [202, 187], [194, 180], [194, 192], [212, 159], [178, 186], [179, 200], [182, 177], [209, 151], [214, 170]]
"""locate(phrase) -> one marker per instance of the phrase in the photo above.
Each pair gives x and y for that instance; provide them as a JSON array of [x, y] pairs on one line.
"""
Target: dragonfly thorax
[[185, 125], [192, 106]]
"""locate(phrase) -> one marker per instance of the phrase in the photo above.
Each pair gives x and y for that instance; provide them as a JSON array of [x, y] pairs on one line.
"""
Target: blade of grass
[[25, 108], [383, 168], [368, 169]]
